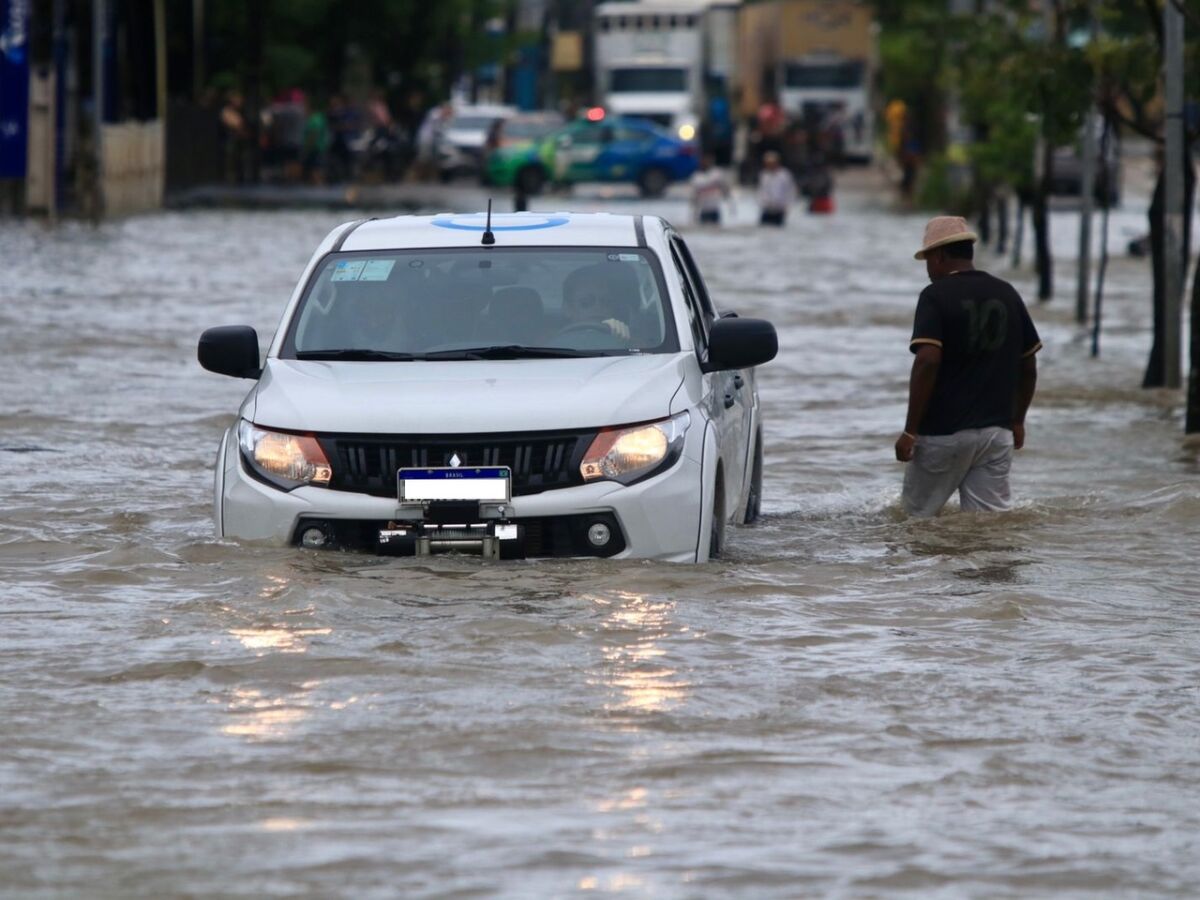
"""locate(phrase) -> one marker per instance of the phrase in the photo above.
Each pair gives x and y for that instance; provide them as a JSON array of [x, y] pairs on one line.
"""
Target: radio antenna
[[488, 237]]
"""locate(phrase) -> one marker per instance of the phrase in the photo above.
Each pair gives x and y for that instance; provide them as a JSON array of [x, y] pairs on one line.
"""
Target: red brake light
[[595, 114]]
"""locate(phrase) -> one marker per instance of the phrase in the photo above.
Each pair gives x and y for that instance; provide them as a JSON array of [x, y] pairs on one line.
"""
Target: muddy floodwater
[[848, 705]]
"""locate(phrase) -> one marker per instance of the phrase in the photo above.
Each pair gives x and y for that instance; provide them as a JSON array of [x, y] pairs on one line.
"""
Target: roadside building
[[82, 107]]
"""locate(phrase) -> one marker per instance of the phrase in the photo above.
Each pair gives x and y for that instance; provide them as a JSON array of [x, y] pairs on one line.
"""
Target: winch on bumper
[[441, 510], [452, 508]]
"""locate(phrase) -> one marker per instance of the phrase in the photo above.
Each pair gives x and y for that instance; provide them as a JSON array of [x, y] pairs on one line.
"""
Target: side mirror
[[230, 350], [736, 343]]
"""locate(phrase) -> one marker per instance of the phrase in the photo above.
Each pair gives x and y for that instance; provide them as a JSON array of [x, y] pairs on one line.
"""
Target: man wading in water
[[972, 379]]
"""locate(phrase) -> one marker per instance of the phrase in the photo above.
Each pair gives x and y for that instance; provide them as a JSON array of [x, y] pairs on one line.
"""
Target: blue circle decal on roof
[[478, 222]]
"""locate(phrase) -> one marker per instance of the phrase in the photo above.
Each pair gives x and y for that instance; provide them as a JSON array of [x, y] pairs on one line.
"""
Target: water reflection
[[276, 637], [260, 713], [284, 824], [622, 881], [258, 716], [635, 659], [634, 798]]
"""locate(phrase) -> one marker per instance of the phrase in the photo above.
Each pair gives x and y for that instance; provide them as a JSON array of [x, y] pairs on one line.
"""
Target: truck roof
[[528, 229], [642, 7]]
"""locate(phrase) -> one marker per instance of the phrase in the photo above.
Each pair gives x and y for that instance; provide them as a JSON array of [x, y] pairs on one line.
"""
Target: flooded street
[[848, 705]]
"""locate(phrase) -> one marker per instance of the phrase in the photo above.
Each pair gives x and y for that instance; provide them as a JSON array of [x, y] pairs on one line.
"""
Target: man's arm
[[1025, 389], [925, 367]]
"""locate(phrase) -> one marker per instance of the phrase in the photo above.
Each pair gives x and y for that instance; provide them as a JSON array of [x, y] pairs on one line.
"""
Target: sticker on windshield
[[348, 270], [629, 257], [377, 270]]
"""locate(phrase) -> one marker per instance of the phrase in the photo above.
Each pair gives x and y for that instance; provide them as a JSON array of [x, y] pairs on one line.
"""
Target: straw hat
[[942, 230]]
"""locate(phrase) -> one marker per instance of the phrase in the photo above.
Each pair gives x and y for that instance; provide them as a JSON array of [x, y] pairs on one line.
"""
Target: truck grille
[[540, 461]]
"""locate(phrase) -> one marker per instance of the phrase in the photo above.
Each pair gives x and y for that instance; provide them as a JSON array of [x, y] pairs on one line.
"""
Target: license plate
[[465, 483]]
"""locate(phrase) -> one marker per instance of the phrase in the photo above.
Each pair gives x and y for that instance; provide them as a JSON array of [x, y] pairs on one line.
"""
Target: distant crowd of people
[[309, 140], [784, 156]]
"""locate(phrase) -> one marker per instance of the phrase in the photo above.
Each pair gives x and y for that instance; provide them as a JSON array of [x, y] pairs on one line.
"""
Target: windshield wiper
[[508, 351], [357, 354]]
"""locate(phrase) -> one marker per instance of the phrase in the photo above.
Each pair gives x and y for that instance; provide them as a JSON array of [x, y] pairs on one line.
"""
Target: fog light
[[312, 538], [599, 534]]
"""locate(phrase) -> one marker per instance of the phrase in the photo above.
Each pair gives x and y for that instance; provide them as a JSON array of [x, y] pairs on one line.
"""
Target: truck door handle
[[729, 400], [738, 382]]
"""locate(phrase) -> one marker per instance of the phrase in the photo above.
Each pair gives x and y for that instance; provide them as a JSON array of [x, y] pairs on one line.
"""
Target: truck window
[[695, 318], [824, 75], [696, 279], [651, 80]]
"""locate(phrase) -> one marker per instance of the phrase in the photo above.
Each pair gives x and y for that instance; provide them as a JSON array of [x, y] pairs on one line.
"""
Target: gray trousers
[[974, 462]]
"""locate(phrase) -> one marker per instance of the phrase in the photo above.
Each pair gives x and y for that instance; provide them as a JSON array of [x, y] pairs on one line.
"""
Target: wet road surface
[[848, 705]]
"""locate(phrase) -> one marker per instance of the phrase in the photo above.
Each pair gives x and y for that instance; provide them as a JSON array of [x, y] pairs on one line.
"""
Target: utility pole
[[197, 50], [99, 22], [1173, 262], [1087, 181]]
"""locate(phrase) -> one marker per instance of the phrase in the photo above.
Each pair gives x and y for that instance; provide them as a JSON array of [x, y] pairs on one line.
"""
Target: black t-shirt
[[984, 330]]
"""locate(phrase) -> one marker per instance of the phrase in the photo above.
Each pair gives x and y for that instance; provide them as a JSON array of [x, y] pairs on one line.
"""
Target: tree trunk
[[1192, 419], [1041, 243], [1156, 375], [1041, 226], [1019, 235], [255, 38], [1001, 222], [1101, 270]]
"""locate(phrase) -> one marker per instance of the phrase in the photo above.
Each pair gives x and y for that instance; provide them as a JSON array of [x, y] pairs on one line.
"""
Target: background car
[[598, 148], [511, 137], [461, 142], [1067, 170]]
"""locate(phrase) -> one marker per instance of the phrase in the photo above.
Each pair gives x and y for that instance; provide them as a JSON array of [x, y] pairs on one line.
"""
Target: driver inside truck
[[596, 297]]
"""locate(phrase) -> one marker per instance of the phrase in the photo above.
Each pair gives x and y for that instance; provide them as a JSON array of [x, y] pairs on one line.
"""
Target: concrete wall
[[133, 171]]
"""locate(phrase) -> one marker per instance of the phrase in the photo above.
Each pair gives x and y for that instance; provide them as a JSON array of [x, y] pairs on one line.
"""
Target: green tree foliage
[[1011, 79], [314, 44], [914, 59]]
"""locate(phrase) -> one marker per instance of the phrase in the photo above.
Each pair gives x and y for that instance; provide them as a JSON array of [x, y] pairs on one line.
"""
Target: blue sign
[[510, 222], [14, 87]]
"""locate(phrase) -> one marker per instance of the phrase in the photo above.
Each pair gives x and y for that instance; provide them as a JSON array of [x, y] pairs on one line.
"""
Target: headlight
[[630, 454], [687, 132], [285, 460]]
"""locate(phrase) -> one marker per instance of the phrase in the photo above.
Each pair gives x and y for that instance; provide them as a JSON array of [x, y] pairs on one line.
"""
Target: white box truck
[[819, 58], [654, 57]]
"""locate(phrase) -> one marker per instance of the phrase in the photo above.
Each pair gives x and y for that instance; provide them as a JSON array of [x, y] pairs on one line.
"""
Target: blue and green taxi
[[596, 147]]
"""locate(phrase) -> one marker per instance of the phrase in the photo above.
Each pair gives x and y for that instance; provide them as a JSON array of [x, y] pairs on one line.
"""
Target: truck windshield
[[645, 81], [824, 75], [494, 303]]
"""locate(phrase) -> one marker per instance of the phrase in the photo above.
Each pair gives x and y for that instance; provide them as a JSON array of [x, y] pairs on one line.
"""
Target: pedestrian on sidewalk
[[235, 138], [709, 187], [973, 378], [776, 190]]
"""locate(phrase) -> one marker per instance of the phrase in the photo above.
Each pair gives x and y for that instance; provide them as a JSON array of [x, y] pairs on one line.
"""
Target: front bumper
[[658, 518]]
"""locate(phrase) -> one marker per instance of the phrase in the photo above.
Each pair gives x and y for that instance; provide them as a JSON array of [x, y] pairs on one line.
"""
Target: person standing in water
[[973, 377], [776, 190], [709, 187]]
